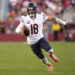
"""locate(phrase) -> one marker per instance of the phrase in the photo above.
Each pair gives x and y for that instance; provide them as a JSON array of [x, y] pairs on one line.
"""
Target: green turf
[[18, 59]]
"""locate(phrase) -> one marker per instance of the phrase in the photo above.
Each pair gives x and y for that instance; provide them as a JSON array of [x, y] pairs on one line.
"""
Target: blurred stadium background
[[11, 10], [16, 58]]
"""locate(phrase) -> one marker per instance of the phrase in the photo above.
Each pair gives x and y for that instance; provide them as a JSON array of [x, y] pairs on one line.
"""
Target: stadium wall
[[12, 38], [20, 38]]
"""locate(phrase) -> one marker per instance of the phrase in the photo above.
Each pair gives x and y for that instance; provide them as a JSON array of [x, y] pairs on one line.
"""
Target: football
[[26, 31]]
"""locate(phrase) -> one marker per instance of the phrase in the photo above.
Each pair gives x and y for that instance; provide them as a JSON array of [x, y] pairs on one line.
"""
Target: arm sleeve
[[19, 27], [61, 21], [22, 23]]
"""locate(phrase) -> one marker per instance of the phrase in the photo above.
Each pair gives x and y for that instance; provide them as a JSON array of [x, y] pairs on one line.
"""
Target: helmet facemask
[[32, 11]]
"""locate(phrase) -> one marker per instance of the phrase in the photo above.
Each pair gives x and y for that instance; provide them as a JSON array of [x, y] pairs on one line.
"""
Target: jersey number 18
[[34, 29]]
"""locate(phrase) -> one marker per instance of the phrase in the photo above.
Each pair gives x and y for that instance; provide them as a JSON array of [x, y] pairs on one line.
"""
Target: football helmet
[[32, 9]]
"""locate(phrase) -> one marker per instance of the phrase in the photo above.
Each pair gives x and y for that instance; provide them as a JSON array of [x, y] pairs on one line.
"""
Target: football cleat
[[54, 58], [50, 68]]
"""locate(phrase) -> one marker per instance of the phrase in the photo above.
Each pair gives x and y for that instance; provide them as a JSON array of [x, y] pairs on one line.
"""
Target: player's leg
[[37, 51], [45, 45], [45, 60]]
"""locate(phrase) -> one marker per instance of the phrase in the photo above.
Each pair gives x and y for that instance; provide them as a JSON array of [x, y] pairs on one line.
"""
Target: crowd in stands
[[50, 7]]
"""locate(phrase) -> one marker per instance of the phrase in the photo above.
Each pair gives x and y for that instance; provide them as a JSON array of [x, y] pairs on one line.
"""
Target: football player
[[32, 26]]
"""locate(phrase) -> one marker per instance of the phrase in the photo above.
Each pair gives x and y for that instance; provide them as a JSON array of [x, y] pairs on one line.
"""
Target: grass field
[[18, 59]]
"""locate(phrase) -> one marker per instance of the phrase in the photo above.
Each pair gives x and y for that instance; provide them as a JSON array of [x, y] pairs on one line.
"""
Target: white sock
[[50, 51], [45, 60]]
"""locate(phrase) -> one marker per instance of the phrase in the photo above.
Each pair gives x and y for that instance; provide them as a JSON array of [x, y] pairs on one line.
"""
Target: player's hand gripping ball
[[26, 31]]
